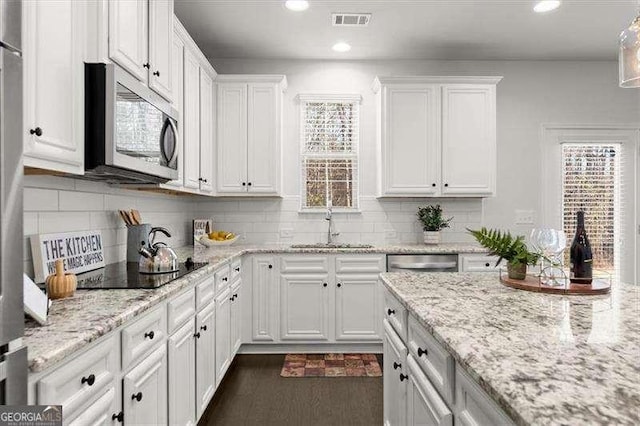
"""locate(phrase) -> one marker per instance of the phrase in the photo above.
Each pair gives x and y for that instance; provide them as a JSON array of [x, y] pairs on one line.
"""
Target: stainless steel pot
[[157, 258]]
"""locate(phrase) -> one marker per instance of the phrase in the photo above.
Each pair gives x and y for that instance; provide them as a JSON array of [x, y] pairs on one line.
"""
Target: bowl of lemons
[[218, 238]]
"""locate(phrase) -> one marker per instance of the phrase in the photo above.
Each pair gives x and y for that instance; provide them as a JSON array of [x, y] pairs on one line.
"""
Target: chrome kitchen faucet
[[329, 218]]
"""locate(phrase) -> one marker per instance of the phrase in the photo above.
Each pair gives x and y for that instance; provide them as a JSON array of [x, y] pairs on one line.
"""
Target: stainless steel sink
[[332, 245]]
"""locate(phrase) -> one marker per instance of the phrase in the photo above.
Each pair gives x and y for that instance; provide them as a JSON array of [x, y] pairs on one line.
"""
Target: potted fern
[[432, 223], [505, 246]]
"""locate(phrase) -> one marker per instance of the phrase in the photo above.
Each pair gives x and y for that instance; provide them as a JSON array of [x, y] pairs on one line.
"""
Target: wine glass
[[552, 243]]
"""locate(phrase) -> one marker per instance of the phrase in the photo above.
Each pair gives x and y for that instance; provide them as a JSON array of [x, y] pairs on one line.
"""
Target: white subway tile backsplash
[[80, 201], [37, 199], [49, 222]]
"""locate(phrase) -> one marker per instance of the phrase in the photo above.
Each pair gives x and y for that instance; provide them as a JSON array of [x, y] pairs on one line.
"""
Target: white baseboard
[[271, 348]]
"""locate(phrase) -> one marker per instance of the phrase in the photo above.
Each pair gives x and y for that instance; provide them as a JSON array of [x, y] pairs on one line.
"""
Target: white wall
[[531, 93], [56, 204]]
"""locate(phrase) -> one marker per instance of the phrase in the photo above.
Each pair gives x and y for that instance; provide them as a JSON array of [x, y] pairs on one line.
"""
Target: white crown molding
[[181, 31], [255, 78], [433, 79], [327, 97]]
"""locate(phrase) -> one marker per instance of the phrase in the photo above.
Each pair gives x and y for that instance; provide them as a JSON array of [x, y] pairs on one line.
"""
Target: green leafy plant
[[505, 246], [431, 218]]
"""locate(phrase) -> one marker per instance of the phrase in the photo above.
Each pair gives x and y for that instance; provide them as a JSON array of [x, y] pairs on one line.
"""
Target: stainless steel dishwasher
[[422, 262]]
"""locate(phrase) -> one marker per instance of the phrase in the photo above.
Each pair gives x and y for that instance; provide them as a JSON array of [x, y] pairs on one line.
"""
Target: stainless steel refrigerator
[[13, 354]]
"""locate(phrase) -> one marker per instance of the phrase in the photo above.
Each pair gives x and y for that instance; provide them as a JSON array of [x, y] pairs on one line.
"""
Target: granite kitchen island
[[544, 359]]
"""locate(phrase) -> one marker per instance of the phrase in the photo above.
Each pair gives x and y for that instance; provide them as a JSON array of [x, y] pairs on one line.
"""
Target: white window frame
[[628, 135], [346, 98]]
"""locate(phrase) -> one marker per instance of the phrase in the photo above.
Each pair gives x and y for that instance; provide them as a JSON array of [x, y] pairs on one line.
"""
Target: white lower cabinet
[[424, 405], [182, 375], [205, 357], [102, 411], [145, 390], [264, 300], [223, 334], [394, 372], [236, 317], [304, 307], [357, 307], [420, 377]]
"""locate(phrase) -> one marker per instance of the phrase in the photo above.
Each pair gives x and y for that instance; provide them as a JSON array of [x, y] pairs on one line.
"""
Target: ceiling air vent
[[350, 19]]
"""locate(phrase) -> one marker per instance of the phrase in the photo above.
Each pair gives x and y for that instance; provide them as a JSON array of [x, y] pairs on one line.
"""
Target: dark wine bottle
[[580, 255]]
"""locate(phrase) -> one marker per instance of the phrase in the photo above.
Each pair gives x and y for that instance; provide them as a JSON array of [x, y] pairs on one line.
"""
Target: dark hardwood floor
[[253, 393]]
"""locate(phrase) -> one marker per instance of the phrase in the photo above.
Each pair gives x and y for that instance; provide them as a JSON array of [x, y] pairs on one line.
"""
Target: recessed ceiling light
[[341, 47], [297, 5], [546, 6]]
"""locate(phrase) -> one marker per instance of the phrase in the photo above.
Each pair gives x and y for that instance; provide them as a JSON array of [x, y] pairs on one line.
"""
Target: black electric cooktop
[[125, 275]]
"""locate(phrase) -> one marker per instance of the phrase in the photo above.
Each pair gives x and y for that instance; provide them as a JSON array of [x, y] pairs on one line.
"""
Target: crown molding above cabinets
[[436, 136]]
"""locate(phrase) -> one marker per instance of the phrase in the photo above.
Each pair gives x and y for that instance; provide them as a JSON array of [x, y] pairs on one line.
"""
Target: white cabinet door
[[424, 405], [232, 138], [177, 92], [145, 390], [236, 317], [206, 132], [205, 357], [182, 376], [102, 411], [410, 140], [468, 139], [264, 299], [128, 36], [223, 334], [263, 146], [191, 121], [304, 306], [160, 47], [394, 389], [54, 48], [357, 307]]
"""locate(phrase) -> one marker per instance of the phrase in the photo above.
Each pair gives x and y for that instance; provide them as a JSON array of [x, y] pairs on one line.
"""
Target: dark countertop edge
[[493, 394]]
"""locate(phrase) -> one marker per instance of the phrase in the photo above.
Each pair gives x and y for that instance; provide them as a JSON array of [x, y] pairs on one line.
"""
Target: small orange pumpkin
[[61, 285]]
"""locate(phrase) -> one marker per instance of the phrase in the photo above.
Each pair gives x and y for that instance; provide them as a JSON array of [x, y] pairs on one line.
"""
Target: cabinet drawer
[[473, 406], [304, 264], [396, 314], [434, 360], [143, 335], [180, 309], [84, 378], [222, 278], [236, 269], [205, 292], [425, 407], [478, 263], [360, 264]]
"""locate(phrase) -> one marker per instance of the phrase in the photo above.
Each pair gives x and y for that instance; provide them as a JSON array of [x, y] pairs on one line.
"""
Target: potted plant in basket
[[505, 246], [432, 223]]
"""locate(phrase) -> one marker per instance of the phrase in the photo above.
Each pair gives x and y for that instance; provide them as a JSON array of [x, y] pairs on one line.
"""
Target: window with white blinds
[[329, 152], [592, 182]]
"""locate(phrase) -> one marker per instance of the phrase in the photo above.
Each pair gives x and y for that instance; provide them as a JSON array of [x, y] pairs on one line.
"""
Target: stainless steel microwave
[[131, 133]]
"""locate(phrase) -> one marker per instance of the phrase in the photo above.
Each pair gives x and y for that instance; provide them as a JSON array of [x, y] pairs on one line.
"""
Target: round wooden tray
[[532, 283]]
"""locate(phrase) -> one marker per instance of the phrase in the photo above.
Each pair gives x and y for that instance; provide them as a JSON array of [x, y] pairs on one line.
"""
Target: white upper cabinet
[[436, 136], [140, 40], [206, 132], [191, 122], [410, 131], [249, 116], [469, 139], [54, 48], [160, 47], [177, 84], [128, 36], [232, 137]]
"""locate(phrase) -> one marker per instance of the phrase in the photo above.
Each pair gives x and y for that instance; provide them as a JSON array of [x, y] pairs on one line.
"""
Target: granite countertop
[[545, 359], [79, 320]]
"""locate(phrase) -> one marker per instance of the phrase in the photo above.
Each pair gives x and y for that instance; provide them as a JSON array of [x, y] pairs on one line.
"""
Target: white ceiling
[[418, 29]]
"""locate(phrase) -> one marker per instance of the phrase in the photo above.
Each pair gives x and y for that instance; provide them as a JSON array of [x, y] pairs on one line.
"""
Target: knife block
[[136, 235]]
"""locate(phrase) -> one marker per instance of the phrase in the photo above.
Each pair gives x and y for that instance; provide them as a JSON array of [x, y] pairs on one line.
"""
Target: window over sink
[[329, 136]]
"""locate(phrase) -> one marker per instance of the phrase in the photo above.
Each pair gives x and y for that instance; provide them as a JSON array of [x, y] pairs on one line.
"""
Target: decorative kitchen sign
[[81, 251], [201, 227]]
